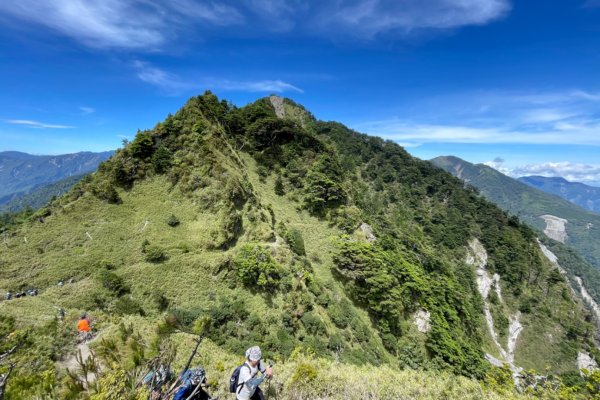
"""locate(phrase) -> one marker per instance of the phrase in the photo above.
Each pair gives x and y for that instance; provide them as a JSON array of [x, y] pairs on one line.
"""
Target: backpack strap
[[241, 385]]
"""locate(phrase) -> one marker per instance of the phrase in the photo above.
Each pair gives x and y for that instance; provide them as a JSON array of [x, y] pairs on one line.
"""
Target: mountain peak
[[18, 155], [249, 225]]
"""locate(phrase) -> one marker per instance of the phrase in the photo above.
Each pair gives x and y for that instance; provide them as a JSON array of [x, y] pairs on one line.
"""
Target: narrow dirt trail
[[71, 362]]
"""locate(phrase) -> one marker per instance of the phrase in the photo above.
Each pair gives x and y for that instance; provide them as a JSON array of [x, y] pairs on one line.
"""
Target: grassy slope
[[194, 276]]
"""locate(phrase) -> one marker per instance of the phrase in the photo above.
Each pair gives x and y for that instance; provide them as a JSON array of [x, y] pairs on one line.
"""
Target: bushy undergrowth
[[257, 269]]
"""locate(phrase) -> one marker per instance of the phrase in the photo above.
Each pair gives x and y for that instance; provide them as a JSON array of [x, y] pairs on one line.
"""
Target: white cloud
[[276, 86], [574, 172], [546, 115], [173, 84], [569, 117], [408, 132], [145, 25], [373, 17], [36, 124], [586, 95], [498, 165], [124, 24], [166, 81], [86, 110]]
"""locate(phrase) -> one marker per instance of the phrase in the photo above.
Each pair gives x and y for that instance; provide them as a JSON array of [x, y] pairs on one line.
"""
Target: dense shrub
[[155, 253], [324, 187], [113, 282], [107, 192], [143, 145], [127, 306], [279, 188], [173, 221], [294, 239], [256, 267], [313, 324], [161, 160]]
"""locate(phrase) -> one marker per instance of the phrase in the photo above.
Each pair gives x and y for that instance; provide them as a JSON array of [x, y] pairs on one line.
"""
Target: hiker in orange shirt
[[83, 325]]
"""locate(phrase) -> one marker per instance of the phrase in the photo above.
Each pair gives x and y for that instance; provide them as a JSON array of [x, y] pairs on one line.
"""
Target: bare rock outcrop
[[367, 230], [585, 361], [477, 255], [555, 227], [588, 298], [423, 321], [277, 103], [551, 257]]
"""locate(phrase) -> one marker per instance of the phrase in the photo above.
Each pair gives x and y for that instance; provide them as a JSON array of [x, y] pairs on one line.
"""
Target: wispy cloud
[[373, 17], [574, 172], [567, 117], [174, 84], [276, 86], [145, 25], [124, 24], [416, 134], [36, 124], [86, 110], [541, 115], [166, 81]]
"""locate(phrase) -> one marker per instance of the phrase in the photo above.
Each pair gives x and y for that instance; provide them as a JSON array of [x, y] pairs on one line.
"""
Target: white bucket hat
[[253, 353]]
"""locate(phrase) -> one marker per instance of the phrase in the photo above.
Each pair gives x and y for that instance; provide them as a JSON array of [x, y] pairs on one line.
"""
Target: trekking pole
[[269, 389], [189, 362], [187, 366], [269, 384]]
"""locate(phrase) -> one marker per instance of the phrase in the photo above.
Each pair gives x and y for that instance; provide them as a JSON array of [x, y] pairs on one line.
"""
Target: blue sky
[[511, 83]]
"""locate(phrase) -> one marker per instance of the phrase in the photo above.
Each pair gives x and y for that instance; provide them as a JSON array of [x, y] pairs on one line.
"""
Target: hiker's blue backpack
[[235, 377]]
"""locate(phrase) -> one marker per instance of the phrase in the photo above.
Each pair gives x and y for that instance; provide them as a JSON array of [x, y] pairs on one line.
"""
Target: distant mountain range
[[558, 218], [23, 174], [39, 197], [583, 195]]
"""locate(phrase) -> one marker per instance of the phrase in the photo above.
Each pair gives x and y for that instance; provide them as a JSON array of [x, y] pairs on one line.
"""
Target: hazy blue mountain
[[38, 197], [22, 173], [583, 195]]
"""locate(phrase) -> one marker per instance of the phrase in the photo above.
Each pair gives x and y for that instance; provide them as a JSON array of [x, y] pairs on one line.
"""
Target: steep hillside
[[558, 218], [262, 225], [20, 173], [38, 197], [584, 196]]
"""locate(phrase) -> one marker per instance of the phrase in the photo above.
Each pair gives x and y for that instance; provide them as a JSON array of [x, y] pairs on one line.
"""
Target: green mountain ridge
[[263, 225]]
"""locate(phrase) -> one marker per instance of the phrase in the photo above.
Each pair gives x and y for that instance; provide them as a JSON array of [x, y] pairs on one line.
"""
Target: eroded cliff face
[[477, 256], [584, 359], [555, 227]]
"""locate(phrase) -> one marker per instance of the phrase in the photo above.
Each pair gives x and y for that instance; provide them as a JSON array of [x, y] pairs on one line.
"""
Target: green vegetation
[[173, 221], [256, 268], [265, 245]]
